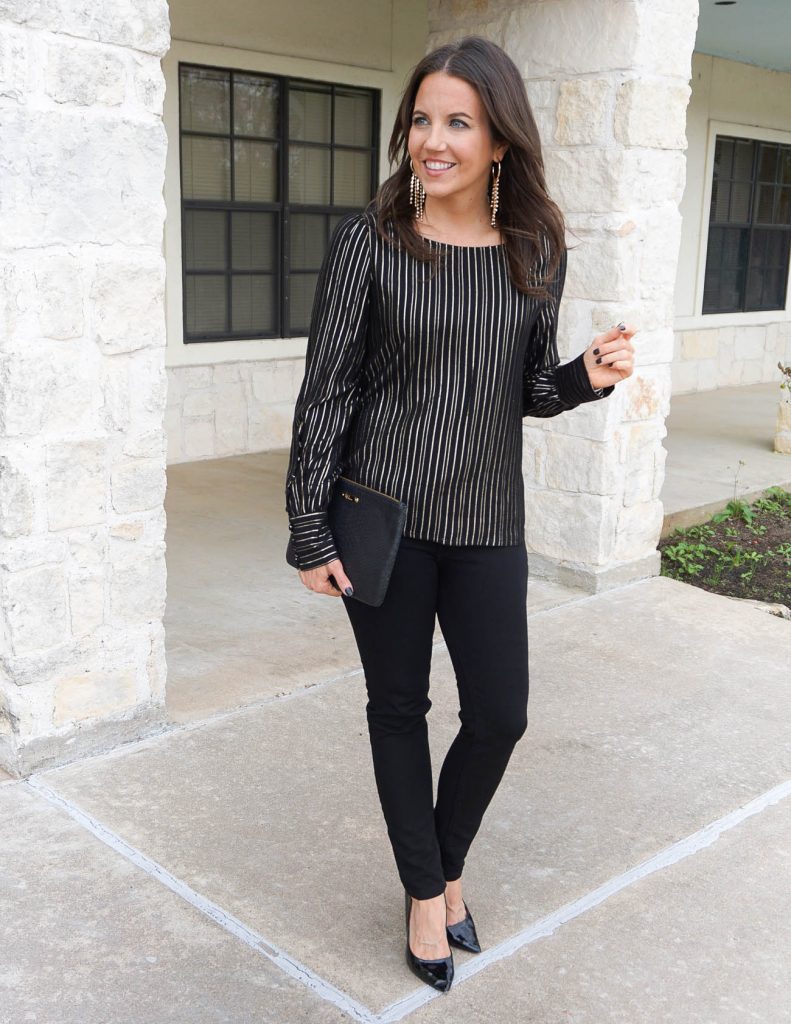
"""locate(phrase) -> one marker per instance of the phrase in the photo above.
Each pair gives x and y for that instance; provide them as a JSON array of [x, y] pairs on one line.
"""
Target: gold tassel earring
[[495, 199], [417, 194]]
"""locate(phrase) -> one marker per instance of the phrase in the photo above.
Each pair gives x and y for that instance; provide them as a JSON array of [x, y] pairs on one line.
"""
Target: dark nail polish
[[595, 351], [348, 591], [622, 326], [599, 359]]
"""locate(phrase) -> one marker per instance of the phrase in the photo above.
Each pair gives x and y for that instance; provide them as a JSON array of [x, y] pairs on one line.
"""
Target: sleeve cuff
[[312, 539], [574, 384]]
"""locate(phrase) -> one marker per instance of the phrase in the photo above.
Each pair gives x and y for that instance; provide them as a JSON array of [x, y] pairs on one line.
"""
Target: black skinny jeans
[[479, 594]]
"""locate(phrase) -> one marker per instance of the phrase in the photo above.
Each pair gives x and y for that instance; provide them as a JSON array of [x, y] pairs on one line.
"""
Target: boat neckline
[[455, 245]]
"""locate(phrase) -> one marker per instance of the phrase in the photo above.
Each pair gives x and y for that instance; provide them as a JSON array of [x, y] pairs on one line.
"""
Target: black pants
[[479, 594]]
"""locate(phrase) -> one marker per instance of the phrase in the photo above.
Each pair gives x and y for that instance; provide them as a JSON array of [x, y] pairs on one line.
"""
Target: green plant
[[786, 372]]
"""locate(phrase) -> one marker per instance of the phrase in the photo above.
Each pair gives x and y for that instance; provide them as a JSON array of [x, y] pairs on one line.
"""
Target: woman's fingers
[[319, 579]]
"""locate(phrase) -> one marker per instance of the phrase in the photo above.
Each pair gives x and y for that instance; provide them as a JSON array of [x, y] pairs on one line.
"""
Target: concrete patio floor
[[633, 866], [708, 434]]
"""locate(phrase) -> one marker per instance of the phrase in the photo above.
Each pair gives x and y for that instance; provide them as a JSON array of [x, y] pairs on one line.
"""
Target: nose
[[435, 141]]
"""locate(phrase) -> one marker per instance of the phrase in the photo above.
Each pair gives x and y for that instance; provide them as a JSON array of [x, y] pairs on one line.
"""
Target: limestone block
[[667, 36], [571, 38], [156, 663], [76, 483], [148, 389], [72, 402], [226, 373], [199, 438], [149, 83], [650, 177], [750, 342], [21, 398], [639, 481], [27, 552], [137, 588], [137, 485], [14, 63], [579, 464], [139, 24], [127, 304], [84, 75], [96, 694], [145, 445], [36, 607], [594, 420], [569, 527], [17, 499], [230, 418], [540, 92], [651, 112], [708, 374], [583, 111], [72, 175], [647, 392], [585, 180], [699, 344], [175, 442], [638, 441], [86, 601], [534, 454], [752, 371], [660, 460], [600, 270], [88, 547], [783, 428], [639, 529], [659, 237], [194, 376], [129, 531], [651, 347], [277, 380], [199, 403]]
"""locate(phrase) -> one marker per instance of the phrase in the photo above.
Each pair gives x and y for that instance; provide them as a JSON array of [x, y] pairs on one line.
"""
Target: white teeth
[[435, 165]]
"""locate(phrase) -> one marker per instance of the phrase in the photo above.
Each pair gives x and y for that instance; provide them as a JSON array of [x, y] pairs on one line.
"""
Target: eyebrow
[[459, 113]]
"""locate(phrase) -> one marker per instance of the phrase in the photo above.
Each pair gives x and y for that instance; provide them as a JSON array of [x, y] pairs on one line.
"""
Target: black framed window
[[749, 226], [269, 165]]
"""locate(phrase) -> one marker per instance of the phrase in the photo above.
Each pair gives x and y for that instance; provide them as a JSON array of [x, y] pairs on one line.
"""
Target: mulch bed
[[743, 551]]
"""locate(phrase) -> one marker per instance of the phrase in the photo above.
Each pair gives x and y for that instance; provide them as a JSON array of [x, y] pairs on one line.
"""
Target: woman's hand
[[610, 356], [318, 579]]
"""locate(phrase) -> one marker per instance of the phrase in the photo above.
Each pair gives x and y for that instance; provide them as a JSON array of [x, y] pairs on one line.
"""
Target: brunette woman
[[433, 333]]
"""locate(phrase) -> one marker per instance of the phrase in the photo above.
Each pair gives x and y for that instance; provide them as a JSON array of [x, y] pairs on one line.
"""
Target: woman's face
[[450, 140]]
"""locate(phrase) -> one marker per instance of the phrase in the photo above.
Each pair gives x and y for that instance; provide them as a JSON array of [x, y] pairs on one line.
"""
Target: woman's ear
[[500, 151]]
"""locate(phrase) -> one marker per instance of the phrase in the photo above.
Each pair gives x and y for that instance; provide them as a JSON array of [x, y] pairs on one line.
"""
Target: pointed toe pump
[[437, 973], [463, 934]]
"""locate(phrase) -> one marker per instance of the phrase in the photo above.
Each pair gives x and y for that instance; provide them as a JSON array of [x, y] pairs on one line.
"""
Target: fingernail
[[349, 591], [595, 351], [599, 359], [622, 326]]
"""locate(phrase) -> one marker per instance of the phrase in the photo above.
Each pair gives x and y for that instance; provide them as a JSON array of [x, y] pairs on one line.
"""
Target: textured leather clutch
[[366, 526]]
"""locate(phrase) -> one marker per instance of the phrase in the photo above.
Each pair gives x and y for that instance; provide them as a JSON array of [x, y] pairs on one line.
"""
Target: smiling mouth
[[438, 165]]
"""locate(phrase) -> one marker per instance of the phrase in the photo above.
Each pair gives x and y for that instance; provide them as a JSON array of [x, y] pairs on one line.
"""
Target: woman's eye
[[457, 121], [419, 117]]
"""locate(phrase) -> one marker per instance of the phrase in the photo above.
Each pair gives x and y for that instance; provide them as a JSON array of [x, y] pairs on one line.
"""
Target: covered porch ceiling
[[751, 31]]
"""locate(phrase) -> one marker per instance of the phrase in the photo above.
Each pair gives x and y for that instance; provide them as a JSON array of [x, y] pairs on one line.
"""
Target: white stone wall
[[718, 357], [231, 408], [82, 378], [609, 84]]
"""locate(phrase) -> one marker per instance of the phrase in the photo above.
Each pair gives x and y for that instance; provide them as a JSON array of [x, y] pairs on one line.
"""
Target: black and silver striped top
[[416, 385]]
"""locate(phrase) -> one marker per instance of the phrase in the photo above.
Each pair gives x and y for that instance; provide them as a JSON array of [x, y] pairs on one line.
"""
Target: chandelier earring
[[417, 194], [494, 202]]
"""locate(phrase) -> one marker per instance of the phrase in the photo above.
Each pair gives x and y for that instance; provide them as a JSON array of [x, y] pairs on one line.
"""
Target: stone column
[[82, 377], [608, 81]]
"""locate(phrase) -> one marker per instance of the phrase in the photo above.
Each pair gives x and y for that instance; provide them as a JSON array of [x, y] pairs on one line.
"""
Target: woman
[[433, 333]]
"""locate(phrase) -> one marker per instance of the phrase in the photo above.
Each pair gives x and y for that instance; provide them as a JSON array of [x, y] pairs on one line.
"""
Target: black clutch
[[366, 526]]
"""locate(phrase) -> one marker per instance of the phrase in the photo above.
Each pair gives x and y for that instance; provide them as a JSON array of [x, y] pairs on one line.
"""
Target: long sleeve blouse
[[416, 384]]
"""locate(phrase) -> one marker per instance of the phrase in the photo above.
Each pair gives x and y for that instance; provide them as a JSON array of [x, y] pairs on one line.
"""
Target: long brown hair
[[526, 212]]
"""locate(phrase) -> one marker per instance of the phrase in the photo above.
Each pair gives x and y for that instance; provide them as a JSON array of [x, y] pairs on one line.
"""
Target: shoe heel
[[436, 973]]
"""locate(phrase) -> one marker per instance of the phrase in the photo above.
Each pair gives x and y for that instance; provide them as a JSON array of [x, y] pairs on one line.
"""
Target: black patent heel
[[437, 973], [463, 934]]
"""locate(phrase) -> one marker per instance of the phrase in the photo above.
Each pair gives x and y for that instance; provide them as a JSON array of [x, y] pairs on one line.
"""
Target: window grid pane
[[749, 227], [317, 133]]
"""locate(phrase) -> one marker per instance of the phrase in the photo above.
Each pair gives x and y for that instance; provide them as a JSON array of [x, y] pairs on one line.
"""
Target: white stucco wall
[[715, 350], [226, 398]]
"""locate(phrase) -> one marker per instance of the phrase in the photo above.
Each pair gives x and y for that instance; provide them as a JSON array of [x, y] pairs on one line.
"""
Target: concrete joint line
[[288, 964], [547, 925], [542, 928]]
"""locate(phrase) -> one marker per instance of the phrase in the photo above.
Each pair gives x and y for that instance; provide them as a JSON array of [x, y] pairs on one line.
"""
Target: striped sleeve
[[326, 401], [550, 387]]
